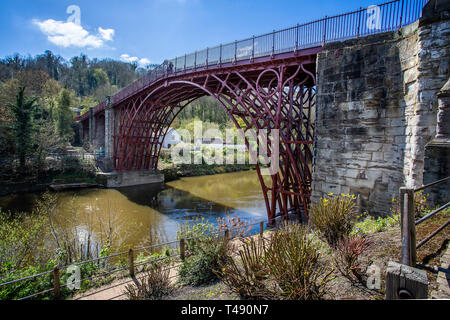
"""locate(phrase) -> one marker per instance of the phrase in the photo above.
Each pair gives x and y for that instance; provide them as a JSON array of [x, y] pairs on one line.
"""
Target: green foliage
[[195, 232], [204, 251], [20, 239], [200, 267], [287, 267], [370, 224], [206, 109], [420, 205], [334, 217], [22, 111], [28, 287], [295, 266], [63, 114]]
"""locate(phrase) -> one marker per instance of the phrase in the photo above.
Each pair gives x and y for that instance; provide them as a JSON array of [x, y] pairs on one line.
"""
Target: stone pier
[[377, 105], [132, 178]]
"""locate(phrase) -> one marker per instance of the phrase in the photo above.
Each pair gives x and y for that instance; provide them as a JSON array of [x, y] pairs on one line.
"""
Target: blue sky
[[149, 30]]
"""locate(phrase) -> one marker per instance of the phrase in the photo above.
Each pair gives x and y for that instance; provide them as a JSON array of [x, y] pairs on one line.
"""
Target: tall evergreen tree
[[23, 125], [63, 115]]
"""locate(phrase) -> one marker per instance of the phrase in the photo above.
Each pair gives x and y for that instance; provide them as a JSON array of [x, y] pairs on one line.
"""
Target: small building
[[172, 138], [216, 143]]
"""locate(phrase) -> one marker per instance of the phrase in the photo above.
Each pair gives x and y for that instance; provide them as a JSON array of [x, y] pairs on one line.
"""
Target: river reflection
[[144, 215]]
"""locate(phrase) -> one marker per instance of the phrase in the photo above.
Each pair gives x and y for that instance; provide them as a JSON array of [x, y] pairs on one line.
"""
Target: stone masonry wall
[[376, 110]]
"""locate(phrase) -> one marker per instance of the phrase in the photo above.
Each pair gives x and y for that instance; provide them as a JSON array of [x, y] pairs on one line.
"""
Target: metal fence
[[408, 223], [131, 267], [385, 17]]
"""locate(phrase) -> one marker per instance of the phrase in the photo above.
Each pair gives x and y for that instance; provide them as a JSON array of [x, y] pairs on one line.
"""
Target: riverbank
[[172, 173], [385, 246], [44, 183]]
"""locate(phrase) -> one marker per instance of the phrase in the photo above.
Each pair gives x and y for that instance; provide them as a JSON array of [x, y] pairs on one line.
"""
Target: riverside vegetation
[[292, 262]]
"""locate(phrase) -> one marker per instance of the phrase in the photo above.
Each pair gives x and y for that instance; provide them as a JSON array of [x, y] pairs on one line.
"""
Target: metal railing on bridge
[[385, 17]]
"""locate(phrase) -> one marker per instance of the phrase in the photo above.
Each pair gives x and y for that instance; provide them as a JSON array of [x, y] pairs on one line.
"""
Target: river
[[144, 215]]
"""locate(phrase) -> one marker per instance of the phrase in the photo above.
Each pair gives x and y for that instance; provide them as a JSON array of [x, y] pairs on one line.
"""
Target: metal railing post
[[235, 51], [253, 48], [273, 42], [296, 37], [325, 30], [195, 60], [207, 57], [359, 22], [185, 62], [408, 228], [401, 14], [220, 56], [131, 261]]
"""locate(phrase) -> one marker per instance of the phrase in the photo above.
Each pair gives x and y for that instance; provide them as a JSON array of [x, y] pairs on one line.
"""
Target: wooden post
[[405, 282], [131, 259], [408, 227], [227, 234], [182, 249], [56, 284], [261, 228]]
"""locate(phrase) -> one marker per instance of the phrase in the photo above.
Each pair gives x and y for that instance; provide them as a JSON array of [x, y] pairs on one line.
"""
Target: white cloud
[[106, 34], [141, 62], [69, 34], [128, 58], [144, 61]]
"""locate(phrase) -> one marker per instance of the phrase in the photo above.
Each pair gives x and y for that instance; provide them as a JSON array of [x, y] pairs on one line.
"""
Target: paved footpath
[[443, 278]]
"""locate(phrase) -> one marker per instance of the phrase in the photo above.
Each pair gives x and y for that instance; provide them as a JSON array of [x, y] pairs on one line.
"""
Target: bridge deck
[[304, 39]]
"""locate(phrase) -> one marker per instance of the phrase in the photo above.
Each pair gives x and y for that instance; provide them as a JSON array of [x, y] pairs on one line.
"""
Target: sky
[[149, 31]]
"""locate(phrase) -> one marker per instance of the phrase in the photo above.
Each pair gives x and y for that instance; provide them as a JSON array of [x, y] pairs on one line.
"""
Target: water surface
[[143, 215]]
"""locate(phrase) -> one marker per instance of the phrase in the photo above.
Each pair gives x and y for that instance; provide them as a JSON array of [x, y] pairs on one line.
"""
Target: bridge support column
[[80, 132], [109, 135], [91, 125]]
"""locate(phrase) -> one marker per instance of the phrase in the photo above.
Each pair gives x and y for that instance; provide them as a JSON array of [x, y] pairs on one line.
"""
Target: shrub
[[347, 258], [28, 287], [20, 241], [154, 285], [294, 265], [288, 267], [204, 252], [195, 232], [247, 276], [200, 267], [334, 217]]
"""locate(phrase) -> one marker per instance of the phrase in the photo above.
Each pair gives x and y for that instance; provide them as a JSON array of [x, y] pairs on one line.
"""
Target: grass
[[368, 225]]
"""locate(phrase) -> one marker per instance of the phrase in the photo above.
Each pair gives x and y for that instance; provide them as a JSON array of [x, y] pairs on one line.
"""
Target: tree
[[22, 111], [45, 141], [63, 115], [97, 78]]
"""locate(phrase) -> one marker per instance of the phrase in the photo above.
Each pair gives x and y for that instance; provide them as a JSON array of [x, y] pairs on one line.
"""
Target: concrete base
[[132, 178]]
